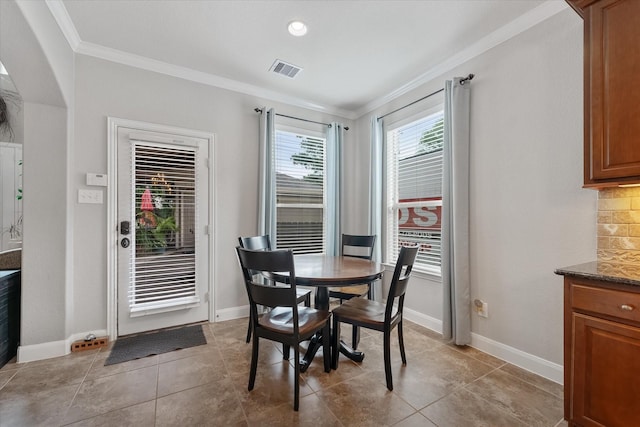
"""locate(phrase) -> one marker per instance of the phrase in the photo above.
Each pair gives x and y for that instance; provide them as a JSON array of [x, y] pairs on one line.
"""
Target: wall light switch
[[90, 196], [98, 179]]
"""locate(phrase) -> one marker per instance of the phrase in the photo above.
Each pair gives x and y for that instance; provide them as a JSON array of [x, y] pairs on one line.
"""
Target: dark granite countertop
[[628, 274]]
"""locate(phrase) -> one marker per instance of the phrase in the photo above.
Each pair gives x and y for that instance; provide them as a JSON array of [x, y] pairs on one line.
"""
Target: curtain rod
[[462, 81], [258, 110]]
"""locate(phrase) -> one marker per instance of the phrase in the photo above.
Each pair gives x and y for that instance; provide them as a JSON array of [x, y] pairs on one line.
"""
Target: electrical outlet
[[484, 310], [481, 307]]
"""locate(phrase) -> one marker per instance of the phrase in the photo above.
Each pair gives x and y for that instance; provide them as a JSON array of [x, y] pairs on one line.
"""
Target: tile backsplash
[[619, 225]]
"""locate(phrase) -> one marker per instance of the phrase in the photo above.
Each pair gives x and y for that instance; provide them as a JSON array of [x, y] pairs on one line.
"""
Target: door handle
[[125, 242]]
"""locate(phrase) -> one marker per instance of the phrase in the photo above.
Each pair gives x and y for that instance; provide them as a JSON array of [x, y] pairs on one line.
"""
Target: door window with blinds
[[164, 190], [414, 190], [300, 191]]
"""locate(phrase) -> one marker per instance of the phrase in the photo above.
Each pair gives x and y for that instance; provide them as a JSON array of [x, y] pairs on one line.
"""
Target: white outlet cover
[[484, 311], [90, 196]]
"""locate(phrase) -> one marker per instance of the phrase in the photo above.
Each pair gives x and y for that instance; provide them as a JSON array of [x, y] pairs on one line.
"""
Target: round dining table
[[324, 272]]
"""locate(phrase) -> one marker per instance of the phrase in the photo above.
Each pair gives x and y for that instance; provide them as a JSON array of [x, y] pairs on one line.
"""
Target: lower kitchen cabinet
[[602, 353]]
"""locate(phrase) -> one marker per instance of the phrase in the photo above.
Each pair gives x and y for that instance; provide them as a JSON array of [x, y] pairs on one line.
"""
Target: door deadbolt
[[124, 227]]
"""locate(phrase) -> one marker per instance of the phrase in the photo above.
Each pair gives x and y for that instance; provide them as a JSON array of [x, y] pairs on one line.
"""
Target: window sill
[[422, 274]]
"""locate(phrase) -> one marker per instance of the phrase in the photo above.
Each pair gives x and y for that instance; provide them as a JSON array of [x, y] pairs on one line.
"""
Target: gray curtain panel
[[267, 176], [376, 193], [375, 184], [335, 137], [456, 322]]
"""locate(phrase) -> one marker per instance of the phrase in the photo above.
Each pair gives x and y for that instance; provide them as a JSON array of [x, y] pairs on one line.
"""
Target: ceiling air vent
[[285, 69]]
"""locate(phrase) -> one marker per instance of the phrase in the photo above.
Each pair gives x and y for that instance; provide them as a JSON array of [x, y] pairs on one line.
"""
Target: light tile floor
[[441, 385]]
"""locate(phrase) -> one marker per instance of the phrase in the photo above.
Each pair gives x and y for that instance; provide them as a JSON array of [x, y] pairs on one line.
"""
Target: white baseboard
[[423, 320], [231, 313], [537, 365], [47, 350]]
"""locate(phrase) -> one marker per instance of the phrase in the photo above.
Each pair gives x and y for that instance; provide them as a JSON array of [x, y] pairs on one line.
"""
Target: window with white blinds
[[414, 190], [163, 272], [300, 190]]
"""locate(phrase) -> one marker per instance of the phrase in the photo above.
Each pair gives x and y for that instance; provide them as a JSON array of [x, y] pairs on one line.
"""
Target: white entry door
[[163, 226]]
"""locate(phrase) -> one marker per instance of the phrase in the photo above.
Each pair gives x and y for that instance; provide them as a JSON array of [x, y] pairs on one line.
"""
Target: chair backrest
[[255, 243], [266, 263], [358, 246], [400, 279]]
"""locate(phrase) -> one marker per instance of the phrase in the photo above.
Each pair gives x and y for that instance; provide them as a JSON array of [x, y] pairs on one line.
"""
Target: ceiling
[[356, 52]]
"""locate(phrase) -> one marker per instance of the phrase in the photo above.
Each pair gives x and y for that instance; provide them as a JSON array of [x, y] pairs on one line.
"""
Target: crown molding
[[519, 25], [145, 63], [65, 23], [502, 34]]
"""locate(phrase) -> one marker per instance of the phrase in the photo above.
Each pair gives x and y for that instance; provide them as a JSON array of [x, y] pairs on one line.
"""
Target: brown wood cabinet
[[602, 353], [611, 98]]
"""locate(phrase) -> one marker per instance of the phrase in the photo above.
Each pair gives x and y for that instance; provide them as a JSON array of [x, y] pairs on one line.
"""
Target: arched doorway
[[31, 52]]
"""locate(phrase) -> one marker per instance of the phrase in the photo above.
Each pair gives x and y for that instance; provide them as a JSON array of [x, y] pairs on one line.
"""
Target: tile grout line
[[324, 403], [524, 380], [10, 378], [155, 401], [73, 399], [513, 414], [236, 392], [455, 389]]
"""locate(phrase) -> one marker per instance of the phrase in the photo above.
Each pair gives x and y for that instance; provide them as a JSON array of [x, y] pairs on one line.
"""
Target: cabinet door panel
[[613, 107], [606, 365]]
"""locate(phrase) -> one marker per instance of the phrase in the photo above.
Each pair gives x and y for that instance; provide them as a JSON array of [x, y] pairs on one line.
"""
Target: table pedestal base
[[355, 355], [322, 303], [316, 343]]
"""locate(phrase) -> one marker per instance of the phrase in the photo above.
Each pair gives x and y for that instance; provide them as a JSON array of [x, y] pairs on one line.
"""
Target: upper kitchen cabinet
[[611, 92]]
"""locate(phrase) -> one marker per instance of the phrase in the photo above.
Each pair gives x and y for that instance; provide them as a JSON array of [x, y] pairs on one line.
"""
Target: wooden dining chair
[[359, 247], [263, 243], [377, 316], [286, 322]]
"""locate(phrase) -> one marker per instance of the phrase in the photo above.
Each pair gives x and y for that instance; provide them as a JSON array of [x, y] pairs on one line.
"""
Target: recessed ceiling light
[[297, 28]]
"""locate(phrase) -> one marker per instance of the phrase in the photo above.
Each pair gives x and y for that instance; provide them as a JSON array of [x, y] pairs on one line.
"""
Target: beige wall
[[105, 89], [529, 213]]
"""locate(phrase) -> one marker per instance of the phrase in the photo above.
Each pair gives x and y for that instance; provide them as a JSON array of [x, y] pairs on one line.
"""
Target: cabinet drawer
[[620, 304]]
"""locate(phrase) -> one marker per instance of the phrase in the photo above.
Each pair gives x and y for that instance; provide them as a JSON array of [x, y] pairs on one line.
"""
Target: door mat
[[152, 343]]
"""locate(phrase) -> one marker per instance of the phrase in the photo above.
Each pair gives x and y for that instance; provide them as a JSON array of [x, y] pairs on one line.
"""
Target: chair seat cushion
[[356, 290], [280, 320], [360, 311]]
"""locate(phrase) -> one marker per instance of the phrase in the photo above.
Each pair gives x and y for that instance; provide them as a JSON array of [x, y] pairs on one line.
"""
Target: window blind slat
[[414, 183], [299, 164], [164, 193]]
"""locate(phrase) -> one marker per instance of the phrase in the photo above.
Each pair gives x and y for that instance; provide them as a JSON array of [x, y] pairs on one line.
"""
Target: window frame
[[390, 220], [306, 132]]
